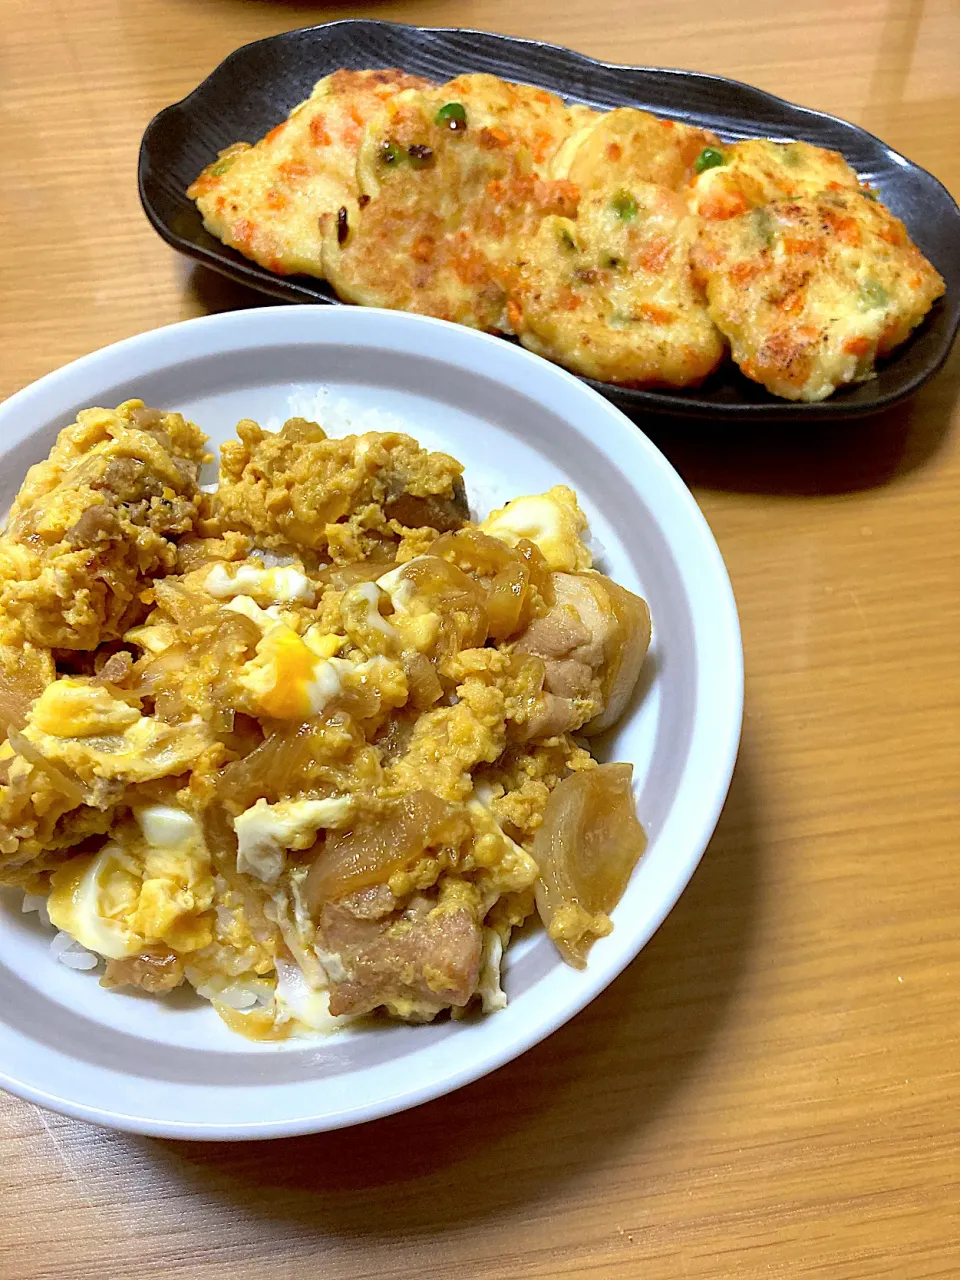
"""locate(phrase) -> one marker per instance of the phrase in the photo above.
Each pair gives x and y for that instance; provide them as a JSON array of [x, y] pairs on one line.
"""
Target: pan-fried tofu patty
[[811, 291]]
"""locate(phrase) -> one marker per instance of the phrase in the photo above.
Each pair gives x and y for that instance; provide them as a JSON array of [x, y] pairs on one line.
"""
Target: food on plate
[[627, 145], [810, 291], [305, 742], [598, 238], [449, 183], [265, 200], [611, 294], [732, 178]]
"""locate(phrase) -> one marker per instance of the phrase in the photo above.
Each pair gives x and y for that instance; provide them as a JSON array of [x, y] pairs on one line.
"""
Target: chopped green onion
[[221, 167], [453, 115], [566, 239], [709, 158], [624, 206], [764, 225], [390, 153]]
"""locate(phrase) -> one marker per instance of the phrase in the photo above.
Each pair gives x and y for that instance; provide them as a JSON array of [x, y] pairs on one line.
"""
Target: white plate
[[519, 425]]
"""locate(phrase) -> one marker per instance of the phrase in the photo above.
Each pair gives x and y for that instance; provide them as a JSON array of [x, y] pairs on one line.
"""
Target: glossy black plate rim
[[939, 329]]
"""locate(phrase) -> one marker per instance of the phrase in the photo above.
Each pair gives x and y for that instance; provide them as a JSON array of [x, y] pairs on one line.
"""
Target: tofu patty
[[811, 291]]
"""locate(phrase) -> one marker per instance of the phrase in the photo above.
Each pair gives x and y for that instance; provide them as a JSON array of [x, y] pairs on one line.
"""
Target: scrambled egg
[[296, 749]]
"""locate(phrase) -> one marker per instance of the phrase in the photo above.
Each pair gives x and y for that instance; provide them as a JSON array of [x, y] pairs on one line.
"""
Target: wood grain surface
[[773, 1088]]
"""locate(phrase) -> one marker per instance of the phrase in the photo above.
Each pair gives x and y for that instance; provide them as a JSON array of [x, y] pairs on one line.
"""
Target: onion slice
[[586, 848]]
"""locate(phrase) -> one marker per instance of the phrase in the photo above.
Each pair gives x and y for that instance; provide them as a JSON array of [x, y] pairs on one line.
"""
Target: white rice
[[37, 902], [69, 952]]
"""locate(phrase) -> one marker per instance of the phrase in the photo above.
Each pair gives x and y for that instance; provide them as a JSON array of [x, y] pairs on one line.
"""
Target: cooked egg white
[[553, 521], [92, 899], [508, 864], [99, 737], [303, 1005], [120, 900], [266, 586], [266, 831], [492, 995], [76, 709], [413, 617]]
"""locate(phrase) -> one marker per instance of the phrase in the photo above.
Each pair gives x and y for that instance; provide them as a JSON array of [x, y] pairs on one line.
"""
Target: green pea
[[873, 295], [624, 206], [453, 115], [390, 153], [709, 158]]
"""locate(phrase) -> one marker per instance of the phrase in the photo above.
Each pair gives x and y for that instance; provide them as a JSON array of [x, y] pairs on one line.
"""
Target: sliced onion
[[586, 848]]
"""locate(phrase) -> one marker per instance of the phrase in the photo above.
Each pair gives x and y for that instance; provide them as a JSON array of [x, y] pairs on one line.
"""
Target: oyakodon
[[307, 742]]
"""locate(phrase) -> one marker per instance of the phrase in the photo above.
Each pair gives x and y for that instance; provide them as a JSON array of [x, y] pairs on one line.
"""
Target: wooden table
[[772, 1089]]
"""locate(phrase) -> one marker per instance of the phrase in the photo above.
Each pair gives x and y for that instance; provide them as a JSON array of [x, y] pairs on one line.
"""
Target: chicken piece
[[94, 523], [592, 641], [346, 498], [25, 672], [414, 965], [157, 973]]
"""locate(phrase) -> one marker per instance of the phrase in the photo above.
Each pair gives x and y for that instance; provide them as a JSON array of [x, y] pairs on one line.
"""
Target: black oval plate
[[257, 85]]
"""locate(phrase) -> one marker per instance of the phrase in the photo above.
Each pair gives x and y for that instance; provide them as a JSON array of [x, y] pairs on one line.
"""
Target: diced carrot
[[514, 314], [655, 314], [724, 204], [656, 253], [276, 131], [741, 272], [292, 170], [318, 131], [495, 136], [243, 233], [422, 249], [857, 346], [792, 304]]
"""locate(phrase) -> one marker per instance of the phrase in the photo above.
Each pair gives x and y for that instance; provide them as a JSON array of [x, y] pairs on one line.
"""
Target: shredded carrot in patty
[[857, 346]]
